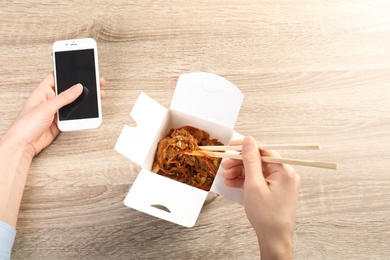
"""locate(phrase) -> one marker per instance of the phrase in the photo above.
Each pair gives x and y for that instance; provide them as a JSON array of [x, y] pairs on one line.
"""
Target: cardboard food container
[[202, 100]]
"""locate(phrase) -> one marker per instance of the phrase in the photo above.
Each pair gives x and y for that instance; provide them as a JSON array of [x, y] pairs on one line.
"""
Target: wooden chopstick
[[303, 146], [238, 156], [326, 165]]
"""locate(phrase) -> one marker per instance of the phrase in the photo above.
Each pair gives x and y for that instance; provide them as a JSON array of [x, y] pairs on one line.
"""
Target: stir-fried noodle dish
[[173, 161]]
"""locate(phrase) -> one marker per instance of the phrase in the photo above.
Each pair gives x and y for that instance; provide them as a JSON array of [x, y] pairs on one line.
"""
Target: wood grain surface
[[309, 70]]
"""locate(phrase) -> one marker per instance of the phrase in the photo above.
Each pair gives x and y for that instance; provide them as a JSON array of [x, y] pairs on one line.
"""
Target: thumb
[[252, 162], [66, 97]]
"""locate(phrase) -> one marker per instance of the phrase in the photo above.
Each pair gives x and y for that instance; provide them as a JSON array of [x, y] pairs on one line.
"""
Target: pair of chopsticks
[[220, 152]]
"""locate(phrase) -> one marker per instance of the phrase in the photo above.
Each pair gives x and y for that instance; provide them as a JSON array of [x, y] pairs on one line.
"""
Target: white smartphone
[[76, 61]]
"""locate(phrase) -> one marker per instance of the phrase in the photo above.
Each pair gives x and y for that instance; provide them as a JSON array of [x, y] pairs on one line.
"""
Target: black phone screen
[[74, 67]]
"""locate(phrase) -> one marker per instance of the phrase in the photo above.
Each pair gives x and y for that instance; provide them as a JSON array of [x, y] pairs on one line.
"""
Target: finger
[[102, 81], [270, 168], [252, 162], [35, 98], [230, 163], [236, 142], [236, 183], [65, 97], [102, 94], [233, 173], [47, 81], [54, 128], [271, 153]]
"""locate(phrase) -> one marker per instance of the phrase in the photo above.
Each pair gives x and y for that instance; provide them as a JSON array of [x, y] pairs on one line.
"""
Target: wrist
[[275, 247], [16, 145], [15, 157]]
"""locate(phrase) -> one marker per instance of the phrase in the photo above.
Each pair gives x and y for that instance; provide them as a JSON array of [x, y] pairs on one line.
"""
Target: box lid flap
[[164, 198], [208, 96], [149, 115]]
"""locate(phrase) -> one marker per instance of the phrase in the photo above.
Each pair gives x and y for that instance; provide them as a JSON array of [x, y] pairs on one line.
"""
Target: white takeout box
[[206, 101]]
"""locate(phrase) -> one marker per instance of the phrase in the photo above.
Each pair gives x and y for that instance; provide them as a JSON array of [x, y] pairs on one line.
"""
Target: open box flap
[[149, 115], [207, 96], [180, 203]]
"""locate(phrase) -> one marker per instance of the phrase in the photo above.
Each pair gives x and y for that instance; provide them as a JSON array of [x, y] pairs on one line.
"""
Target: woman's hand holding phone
[[36, 127]]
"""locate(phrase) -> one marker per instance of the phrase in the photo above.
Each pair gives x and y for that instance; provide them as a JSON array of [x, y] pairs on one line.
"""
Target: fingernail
[[248, 143], [78, 88]]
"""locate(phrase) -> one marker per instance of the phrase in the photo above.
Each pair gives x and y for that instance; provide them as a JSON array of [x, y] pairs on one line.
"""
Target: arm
[[33, 129], [15, 162], [270, 198]]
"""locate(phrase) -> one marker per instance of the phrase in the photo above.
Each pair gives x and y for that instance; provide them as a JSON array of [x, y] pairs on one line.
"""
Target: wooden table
[[309, 70]]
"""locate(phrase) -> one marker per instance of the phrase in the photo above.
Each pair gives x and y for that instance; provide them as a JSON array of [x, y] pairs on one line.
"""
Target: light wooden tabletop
[[309, 70]]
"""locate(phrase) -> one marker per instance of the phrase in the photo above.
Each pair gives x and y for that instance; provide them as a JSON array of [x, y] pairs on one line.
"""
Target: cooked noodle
[[171, 161]]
